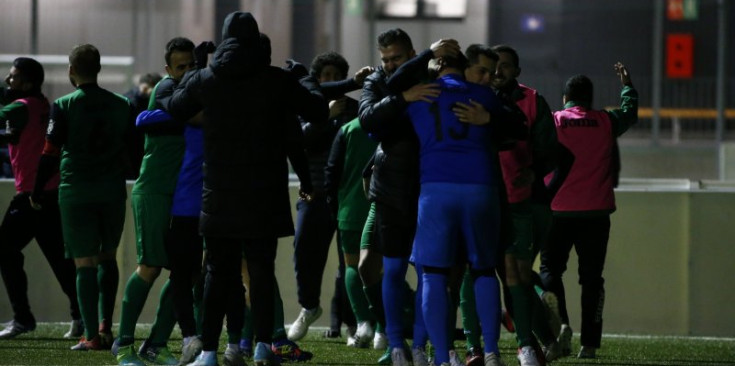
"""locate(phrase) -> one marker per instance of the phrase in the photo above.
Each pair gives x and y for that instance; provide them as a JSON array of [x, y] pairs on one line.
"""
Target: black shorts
[[394, 230]]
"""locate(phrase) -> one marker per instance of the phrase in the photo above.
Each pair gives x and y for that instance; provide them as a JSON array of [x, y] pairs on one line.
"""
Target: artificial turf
[[45, 346]]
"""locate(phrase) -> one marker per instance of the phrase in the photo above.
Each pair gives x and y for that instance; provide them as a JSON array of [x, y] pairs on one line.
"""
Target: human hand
[[622, 72], [304, 195], [361, 74], [473, 113], [296, 69], [445, 47], [421, 92], [201, 53], [337, 106]]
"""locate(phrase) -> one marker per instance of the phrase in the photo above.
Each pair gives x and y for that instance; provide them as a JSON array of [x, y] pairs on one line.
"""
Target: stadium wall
[[668, 266]]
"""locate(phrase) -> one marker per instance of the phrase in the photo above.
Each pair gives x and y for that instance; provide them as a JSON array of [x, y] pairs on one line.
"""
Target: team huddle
[[446, 164]]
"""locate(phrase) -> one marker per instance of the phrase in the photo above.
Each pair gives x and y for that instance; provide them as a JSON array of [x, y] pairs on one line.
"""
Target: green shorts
[[350, 240], [152, 215], [531, 223], [91, 228], [368, 236]]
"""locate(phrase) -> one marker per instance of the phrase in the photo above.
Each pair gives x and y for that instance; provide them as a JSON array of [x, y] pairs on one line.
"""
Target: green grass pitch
[[45, 346]]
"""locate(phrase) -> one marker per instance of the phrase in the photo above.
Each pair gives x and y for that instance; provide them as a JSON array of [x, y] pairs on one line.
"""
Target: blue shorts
[[457, 223]]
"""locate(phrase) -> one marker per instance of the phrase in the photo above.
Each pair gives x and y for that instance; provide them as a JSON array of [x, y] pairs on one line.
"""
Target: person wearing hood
[[245, 199], [25, 113]]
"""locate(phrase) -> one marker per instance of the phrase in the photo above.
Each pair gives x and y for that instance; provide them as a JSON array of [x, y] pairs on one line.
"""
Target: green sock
[[470, 320], [136, 292], [540, 322], [522, 314], [165, 320], [279, 330], [247, 324], [357, 297], [374, 297], [539, 291], [88, 296], [108, 279]]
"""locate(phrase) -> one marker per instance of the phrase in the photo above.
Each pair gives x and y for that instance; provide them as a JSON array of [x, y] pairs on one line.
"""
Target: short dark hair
[[329, 59], [31, 71], [395, 35], [85, 59], [458, 62], [579, 89], [178, 44], [151, 78], [510, 50], [474, 51]]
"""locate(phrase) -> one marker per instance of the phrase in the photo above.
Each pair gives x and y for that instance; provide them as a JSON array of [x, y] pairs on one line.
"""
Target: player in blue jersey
[[458, 216]]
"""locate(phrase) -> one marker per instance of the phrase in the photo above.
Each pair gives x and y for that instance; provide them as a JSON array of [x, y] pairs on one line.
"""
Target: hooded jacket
[[248, 107]]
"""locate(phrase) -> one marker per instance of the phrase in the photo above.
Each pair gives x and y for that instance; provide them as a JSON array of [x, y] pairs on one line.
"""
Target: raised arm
[[306, 99], [627, 115], [187, 98]]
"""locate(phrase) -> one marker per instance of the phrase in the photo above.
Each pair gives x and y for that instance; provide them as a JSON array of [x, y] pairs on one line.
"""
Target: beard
[[13, 94]]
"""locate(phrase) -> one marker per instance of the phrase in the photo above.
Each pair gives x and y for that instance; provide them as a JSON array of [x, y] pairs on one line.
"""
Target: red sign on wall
[[679, 56], [682, 9]]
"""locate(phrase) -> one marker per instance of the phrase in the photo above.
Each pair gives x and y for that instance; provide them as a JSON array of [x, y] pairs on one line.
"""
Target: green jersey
[[163, 150], [351, 151], [90, 126]]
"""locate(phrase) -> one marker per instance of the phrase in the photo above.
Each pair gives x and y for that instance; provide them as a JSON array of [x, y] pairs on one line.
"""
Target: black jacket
[[395, 178], [318, 138], [248, 108]]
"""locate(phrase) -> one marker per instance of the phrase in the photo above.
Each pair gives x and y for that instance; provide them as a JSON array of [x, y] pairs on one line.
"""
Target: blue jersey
[[187, 198], [188, 194], [453, 151]]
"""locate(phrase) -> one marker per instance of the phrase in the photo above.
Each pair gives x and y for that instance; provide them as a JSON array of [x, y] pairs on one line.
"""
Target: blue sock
[[435, 308], [394, 276], [420, 336], [487, 298]]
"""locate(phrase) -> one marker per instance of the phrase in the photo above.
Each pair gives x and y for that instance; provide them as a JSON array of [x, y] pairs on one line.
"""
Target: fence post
[[658, 43]]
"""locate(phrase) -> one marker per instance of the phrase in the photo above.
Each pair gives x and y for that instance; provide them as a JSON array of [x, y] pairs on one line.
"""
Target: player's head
[[26, 75], [508, 68], [329, 66], [579, 89], [179, 57], [395, 48], [147, 82], [456, 63], [84, 64], [481, 64]]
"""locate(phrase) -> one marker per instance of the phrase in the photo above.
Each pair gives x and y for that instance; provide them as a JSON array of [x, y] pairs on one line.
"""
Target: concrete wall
[[359, 44], [668, 268]]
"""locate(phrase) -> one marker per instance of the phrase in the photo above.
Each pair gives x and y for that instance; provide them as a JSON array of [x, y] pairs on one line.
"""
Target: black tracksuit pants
[[224, 292], [589, 237], [184, 249], [21, 224]]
